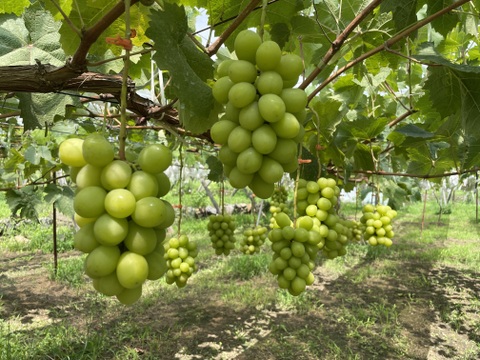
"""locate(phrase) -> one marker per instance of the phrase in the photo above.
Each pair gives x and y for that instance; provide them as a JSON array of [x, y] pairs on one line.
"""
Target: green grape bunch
[[121, 216], [318, 200], [253, 239], [221, 229], [180, 254], [295, 249], [262, 126], [377, 221]]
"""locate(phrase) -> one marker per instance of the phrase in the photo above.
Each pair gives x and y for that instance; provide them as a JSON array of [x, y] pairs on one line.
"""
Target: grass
[[373, 303]]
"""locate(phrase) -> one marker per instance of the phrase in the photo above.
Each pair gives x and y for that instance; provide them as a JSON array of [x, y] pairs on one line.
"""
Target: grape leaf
[[363, 157], [30, 38], [39, 109], [61, 197], [216, 169], [404, 12], [26, 200], [16, 7], [442, 24], [168, 30], [414, 131], [453, 88]]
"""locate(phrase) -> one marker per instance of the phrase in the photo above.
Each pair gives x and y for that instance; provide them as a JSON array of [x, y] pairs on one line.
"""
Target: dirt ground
[[435, 312]]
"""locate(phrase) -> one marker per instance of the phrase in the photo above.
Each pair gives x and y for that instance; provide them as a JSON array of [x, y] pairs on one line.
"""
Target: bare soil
[[422, 312]]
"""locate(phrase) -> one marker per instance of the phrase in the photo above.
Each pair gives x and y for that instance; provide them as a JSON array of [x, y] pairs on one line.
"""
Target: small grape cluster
[[356, 231], [318, 199], [378, 224], [262, 124], [253, 239], [295, 250], [278, 203], [221, 229], [121, 217], [180, 254]]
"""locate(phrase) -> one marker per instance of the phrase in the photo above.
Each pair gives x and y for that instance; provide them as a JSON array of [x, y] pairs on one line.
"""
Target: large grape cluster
[[318, 199], [121, 215], [378, 224], [221, 229], [295, 250], [262, 124], [253, 239], [180, 254]]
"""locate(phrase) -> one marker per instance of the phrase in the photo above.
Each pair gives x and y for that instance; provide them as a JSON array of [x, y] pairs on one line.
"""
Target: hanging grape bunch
[[295, 250], [253, 239], [318, 199], [278, 203], [180, 254], [378, 224], [221, 229], [261, 127], [121, 215]]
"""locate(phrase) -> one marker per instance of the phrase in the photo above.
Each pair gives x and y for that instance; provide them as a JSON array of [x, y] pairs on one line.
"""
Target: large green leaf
[[168, 29], [13, 6], [442, 24], [454, 88], [37, 110], [29, 38]]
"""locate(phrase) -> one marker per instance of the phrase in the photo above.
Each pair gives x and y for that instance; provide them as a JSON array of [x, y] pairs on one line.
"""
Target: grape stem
[[123, 95]]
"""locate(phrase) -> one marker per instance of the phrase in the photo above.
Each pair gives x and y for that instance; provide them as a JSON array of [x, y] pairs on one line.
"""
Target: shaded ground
[[395, 309]]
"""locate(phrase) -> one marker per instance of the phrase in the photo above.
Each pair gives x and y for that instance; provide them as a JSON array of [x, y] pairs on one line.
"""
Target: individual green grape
[[249, 161], [287, 127], [220, 89], [268, 55], [102, 261], [143, 184], [84, 239], [149, 212], [70, 152], [110, 231], [88, 175], [139, 239], [250, 118], [270, 171], [239, 139], [132, 270], [239, 180], [246, 44], [120, 203], [264, 139], [155, 158], [241, 94], [116, 175], [242, 71], [220, 131], [163, 184], [269, 82], [271, 107], [290, 66], [89, 202], [260, 187], [97, 151], [295, 99]]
